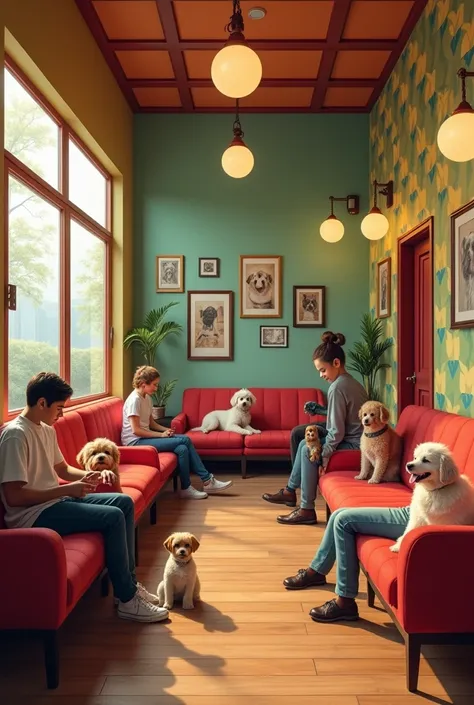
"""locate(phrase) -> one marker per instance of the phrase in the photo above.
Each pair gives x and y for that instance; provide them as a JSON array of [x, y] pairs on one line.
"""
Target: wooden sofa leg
[[412, 653], [153, 513], [104, 584], [243, 466], [328, 513], [370, 595], [51, 657], [175, 483], [136, 545]]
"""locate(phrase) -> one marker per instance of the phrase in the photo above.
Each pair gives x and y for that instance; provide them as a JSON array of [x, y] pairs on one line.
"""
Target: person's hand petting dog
[[107, 477]]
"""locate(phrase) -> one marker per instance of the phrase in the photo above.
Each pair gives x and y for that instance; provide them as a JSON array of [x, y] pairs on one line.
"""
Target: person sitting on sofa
[[339, 541], [139, 428], [343, 430], [30, 465]]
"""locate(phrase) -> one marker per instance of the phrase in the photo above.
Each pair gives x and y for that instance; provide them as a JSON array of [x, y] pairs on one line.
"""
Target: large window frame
[[68, 211]]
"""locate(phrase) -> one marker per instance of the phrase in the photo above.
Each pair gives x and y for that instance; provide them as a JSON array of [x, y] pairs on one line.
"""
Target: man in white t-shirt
[[30, 465]]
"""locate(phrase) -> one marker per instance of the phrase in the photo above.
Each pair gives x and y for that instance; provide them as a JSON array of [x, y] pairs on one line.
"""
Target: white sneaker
[[192, 493], [139, 610], [212, 485]]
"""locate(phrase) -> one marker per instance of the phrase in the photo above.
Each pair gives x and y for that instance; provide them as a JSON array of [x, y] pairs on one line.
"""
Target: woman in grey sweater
[[342, 431]]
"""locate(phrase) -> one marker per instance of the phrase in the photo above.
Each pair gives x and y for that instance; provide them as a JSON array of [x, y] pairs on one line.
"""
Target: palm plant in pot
[[366, 357], [148, 338]]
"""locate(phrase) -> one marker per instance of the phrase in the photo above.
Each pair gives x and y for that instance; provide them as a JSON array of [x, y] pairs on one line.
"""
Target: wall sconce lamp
[[237, 160], [456, 134], [375, 224], [332, 230]]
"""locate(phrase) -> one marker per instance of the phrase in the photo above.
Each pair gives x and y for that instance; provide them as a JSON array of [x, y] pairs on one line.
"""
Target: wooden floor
[[249, 642]]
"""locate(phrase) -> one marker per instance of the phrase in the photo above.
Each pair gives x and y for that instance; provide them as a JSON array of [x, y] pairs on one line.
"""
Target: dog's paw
[[257, 431], [188, 605], [373, 481], [245, 432], [395, 548], [167, 606], [359, 477]]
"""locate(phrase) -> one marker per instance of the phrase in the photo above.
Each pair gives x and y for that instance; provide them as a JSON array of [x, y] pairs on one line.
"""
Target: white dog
[[180, 579], [441, 494], [236, 419], [260, 289]]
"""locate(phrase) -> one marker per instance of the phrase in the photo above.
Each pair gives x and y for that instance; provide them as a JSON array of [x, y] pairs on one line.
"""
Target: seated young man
[[30, 465]]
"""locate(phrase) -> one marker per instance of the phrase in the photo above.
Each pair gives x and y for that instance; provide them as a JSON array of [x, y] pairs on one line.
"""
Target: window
[[58, 250]]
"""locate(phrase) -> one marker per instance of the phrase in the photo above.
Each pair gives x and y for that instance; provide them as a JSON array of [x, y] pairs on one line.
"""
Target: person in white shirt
[[31, 464], [140, 428]]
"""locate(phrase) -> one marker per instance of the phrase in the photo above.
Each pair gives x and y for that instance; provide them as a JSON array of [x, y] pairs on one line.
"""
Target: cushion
[[144, 478], [340, 489], [103, 419], [85, 559], [168, 463], [71, 436], [269, 439], [216, 440], [381, 564], [138, 501]]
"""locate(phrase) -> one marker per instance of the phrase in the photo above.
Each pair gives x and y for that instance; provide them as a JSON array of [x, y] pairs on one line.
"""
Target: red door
[[423, 315]]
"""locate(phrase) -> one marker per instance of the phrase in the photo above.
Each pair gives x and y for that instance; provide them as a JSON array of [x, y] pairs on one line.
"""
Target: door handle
[[412, 378]]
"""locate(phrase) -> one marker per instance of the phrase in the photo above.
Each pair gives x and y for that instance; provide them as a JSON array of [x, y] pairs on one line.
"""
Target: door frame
[[405, 298]]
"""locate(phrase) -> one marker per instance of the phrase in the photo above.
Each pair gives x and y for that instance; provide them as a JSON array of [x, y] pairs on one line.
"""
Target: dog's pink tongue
[[412, 478]]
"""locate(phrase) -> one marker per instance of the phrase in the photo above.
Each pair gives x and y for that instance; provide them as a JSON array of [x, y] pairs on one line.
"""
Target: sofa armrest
[[33, 587], [435, 575], [180, 423], [139, 455], [348, 460]]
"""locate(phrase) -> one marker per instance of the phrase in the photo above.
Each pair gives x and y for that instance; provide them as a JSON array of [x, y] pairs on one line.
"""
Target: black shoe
[[331, 612]]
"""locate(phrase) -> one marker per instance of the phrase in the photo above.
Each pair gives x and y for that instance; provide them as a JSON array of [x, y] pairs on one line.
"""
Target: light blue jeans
[[188, 458], [339, 541]]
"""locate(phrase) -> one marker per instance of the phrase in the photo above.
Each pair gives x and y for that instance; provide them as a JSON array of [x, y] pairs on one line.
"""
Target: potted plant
[[367, 354], [148, 338]]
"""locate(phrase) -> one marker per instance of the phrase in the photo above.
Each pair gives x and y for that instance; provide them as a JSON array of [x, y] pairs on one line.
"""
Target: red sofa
[[422, 586], [275, 413], [62, 569]]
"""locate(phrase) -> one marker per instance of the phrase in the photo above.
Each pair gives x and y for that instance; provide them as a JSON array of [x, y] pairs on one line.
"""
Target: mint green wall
[[185, 204]]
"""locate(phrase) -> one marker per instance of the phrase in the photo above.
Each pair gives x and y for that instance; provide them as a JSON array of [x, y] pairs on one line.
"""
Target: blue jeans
[[113, 516], [339, 541], [188, 458]]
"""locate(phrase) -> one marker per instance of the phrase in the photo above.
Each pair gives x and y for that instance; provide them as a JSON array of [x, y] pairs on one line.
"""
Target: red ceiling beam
[[212, 111], [265, 83], [259, 45], [170, 29]]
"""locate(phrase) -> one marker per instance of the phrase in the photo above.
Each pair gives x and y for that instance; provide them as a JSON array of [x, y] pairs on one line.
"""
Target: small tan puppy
[[313, 443], [441, 494], [102, 455], [180, 579], [380, 445]]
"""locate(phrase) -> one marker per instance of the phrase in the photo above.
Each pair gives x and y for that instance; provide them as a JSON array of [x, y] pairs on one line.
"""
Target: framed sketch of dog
[[309, 306], [462, 267], [260, 286], [273, 336], [209, 266], [170, 274], [210, 325], [384, 278]]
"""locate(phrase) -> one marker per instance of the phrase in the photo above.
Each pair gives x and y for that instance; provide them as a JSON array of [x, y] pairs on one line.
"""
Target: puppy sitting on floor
[[180, 579], [102, 455], [380, 445], [313, 443]]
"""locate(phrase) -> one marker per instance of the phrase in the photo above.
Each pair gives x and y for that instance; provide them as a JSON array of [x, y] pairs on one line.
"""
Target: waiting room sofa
[[58, 571], [426, 587], [275, 413]]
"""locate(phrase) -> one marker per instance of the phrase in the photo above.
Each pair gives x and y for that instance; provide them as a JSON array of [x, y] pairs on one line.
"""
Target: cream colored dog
[[102, 455], [380, 445], [236, 419], [441, 494], [180, 579]]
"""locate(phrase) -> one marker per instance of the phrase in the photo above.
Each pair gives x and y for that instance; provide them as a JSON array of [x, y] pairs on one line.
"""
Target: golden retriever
[[102, 455], [441, 494], [180, 579], [380, 445]]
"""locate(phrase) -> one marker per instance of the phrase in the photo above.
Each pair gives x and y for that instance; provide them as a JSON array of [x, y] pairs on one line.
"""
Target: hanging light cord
[[462, 75], [237, 128], [375, 193], [331, 198], [236, 23]]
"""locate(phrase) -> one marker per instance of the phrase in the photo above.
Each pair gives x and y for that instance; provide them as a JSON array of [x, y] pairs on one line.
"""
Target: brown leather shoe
[[303, 580], [298, 517], [283, 496], [331, 612]]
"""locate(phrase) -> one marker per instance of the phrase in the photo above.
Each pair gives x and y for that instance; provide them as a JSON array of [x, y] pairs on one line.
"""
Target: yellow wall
[[50, 41]]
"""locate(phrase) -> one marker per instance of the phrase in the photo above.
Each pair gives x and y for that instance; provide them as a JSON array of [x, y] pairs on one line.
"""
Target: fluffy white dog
[[180, 579], [441, 494], [236, 419]]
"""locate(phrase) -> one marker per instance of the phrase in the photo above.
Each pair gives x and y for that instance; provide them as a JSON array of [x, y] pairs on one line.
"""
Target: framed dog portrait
[[210, 325], [462, 267], [309, 306], [260, 286], [170, 274], [273, 336], [209, 266], [384, 278]]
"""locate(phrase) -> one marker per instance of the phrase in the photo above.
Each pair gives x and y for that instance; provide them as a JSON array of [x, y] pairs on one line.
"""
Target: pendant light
[[375, 225], [456, 134], [237, 160], [332, 230], [236, 69]]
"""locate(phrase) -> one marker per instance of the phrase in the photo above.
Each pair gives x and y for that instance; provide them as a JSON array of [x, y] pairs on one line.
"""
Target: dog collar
[[374, 434]]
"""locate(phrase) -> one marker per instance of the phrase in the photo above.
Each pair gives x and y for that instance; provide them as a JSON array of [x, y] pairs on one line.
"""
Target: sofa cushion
[[103, 419], [269, 439], [381, 564], [71, 435], [144, 478], [340, 489], [84, 561], [216, 440], [138, 500]]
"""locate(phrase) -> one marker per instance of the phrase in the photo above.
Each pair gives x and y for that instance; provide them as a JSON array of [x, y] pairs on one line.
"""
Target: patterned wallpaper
[[421, 92]]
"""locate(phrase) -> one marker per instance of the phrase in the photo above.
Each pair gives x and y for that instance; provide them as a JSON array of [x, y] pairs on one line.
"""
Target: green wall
[[421, 92], [185, 204]]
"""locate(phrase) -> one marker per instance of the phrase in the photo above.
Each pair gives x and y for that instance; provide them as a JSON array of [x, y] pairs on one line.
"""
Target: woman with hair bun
[[342, 431]]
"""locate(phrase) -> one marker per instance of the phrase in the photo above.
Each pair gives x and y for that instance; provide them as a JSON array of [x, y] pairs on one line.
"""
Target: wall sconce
[[456, 134], [375, 224], [237, 160], [332, 230]]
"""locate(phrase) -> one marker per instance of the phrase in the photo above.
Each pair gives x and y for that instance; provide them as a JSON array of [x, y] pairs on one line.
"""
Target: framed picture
[[170, 274], [210, 325], [209, 266], [462, 267], [273, 336], [260, 286], [309, 306], [384, 289]]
